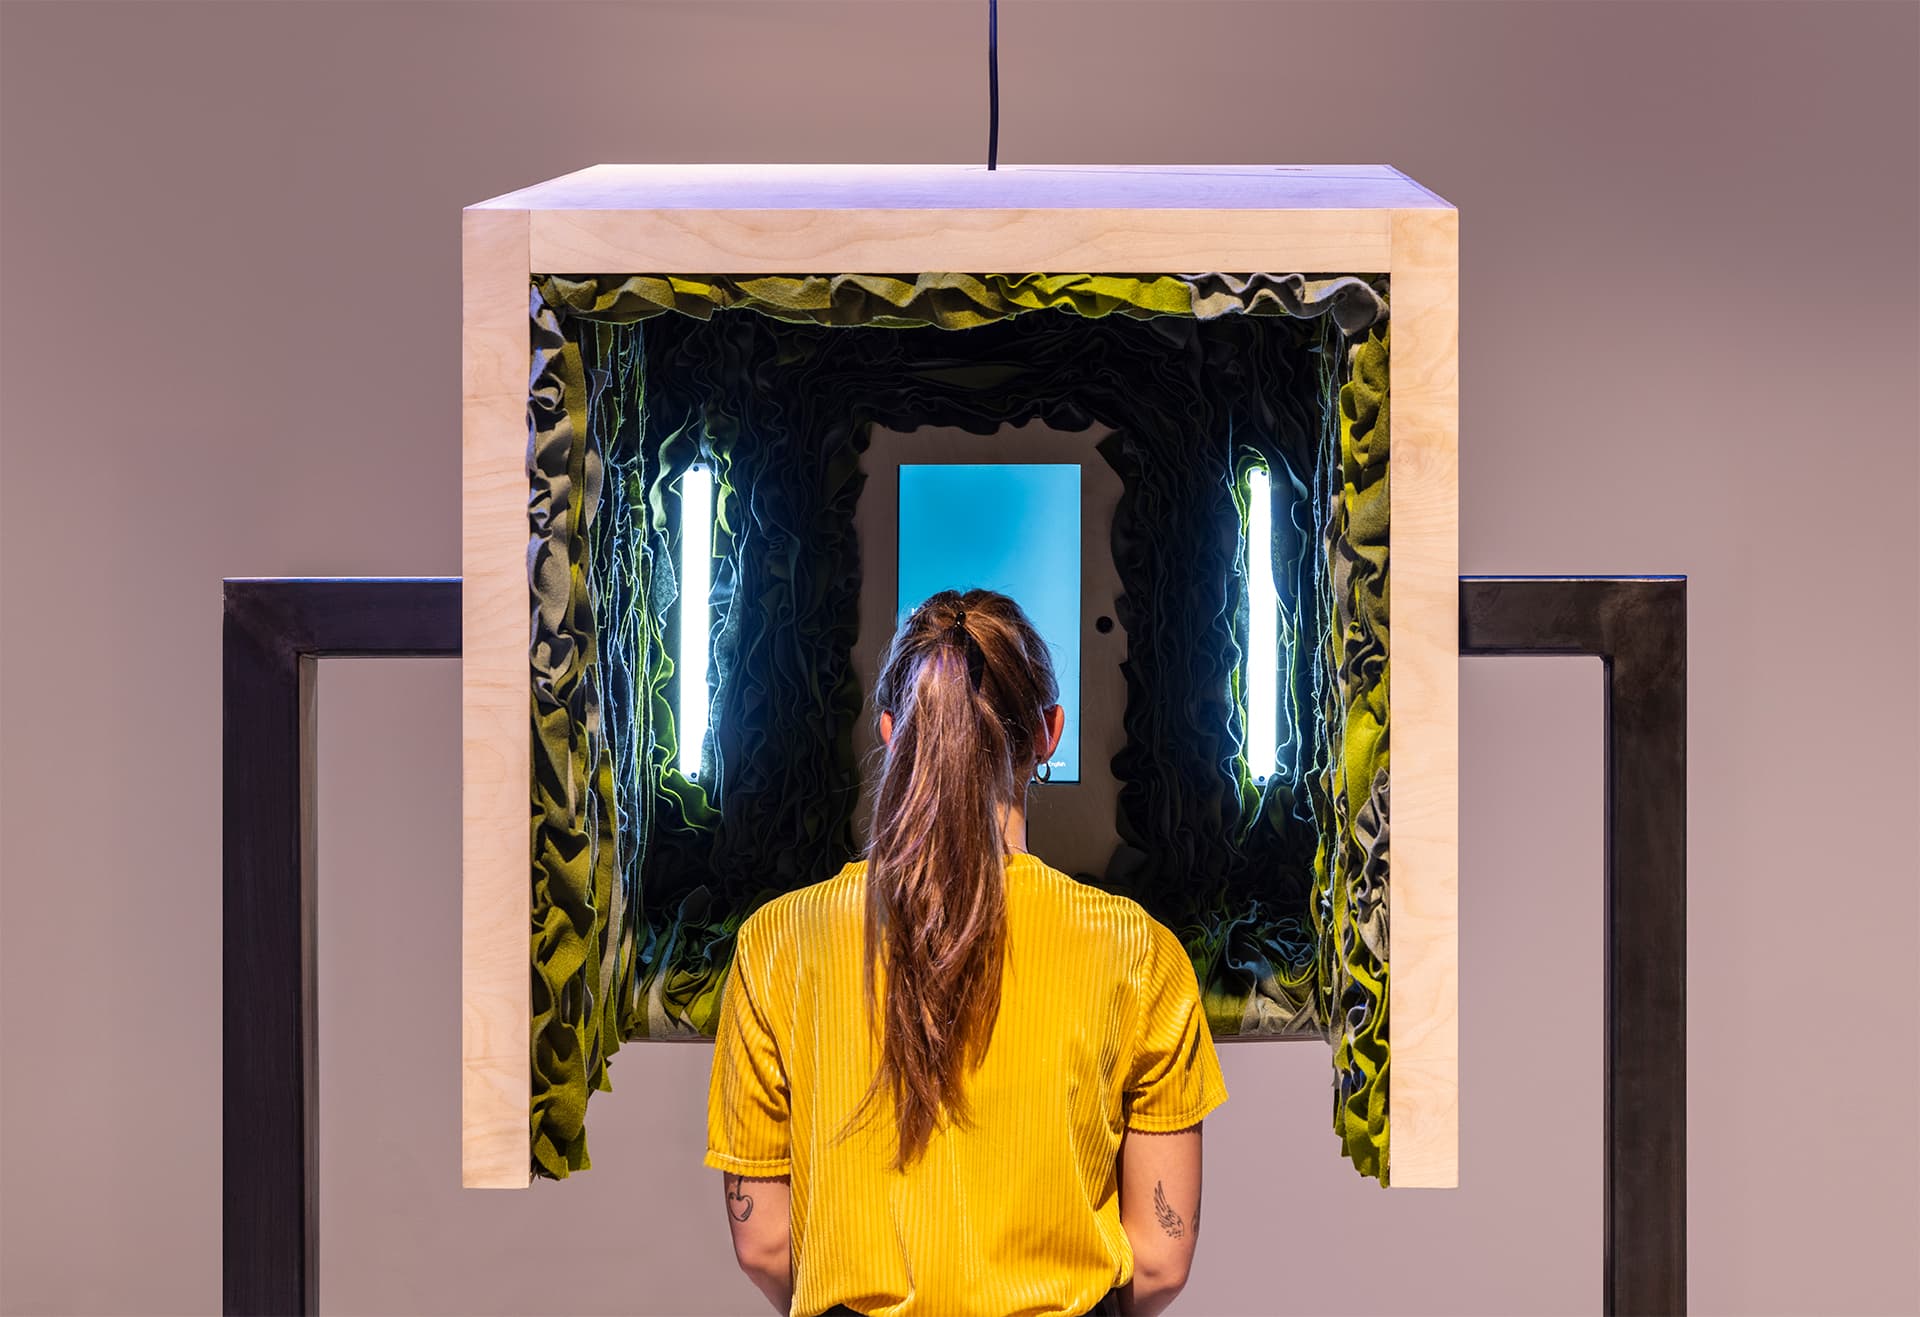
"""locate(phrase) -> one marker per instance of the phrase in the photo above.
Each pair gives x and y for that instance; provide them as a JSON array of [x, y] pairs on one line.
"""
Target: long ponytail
[[967, 682]]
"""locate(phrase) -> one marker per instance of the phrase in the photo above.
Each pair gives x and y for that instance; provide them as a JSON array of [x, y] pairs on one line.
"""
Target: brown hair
[[968, 682]]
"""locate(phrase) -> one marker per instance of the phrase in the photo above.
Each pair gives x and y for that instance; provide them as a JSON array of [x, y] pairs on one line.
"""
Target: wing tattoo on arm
[[1163, 1210]]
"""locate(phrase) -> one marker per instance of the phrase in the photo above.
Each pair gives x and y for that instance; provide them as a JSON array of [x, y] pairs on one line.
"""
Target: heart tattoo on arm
[[736, 1195]]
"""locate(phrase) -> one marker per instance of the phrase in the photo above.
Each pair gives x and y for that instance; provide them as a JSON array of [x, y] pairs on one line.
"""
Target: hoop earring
[[1043, 776]]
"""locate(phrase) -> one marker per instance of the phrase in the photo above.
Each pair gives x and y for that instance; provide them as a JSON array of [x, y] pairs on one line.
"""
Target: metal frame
[[1637, 627], [272, 631], [273, 628]]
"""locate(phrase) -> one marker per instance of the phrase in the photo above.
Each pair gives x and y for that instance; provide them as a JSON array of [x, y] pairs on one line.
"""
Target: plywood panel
[[865, 187], [496, 737], [1424, 702], [764, 218], [886, 241]]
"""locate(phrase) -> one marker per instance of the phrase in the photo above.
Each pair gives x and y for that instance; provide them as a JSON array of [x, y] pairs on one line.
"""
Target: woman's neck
[[1013, 826]]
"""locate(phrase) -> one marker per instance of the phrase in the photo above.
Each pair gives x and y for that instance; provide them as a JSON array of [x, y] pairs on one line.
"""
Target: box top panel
[[973, 187]]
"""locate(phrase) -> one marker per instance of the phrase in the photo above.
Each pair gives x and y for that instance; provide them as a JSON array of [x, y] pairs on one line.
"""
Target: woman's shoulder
[[781, 917], [1090, 905]]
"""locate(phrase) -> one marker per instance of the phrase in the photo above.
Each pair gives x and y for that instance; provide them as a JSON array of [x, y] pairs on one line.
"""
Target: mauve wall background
[[231, 348]]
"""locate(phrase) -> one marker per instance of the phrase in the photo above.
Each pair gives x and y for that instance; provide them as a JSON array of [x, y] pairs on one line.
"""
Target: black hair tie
[[976, 657]]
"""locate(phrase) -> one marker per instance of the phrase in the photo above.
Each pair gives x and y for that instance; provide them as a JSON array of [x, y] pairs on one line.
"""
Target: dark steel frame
[[273, 628], [1637, 627], [272, 632]]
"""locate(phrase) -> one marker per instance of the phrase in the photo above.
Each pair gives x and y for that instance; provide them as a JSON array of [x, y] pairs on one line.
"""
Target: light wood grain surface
[[1423, 707], [496, 1017]]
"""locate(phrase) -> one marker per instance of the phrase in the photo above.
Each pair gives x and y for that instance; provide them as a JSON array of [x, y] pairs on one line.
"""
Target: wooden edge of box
[[837, 241], [1424, 703], [496, 736]]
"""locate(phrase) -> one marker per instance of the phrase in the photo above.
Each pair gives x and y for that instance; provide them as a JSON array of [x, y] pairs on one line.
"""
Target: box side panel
[[496, 746], [1424, 1089], [982, 241], [870, 187]]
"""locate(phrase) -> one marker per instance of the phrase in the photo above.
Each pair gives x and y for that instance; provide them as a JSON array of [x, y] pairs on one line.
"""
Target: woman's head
[[968, 706], [1007, 664]]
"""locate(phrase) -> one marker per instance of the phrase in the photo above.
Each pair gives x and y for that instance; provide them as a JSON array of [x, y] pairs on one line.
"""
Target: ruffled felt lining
[[633, 925], [1351, 864], [964, 301], [574, 853]]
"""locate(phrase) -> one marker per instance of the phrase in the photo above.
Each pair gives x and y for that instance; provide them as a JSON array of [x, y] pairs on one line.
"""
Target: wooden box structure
[[798, 220]]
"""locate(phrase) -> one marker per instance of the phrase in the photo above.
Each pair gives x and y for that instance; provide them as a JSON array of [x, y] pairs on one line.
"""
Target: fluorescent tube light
[[696, 580], [1263, 633]]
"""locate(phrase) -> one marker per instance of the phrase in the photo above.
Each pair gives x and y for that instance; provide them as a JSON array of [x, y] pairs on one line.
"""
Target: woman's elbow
[[762, 1259], [1164, 1274], [1153, 1287]]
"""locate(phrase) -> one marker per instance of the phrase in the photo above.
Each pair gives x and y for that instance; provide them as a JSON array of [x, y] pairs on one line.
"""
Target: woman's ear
[[1056, 724], [886, 728]]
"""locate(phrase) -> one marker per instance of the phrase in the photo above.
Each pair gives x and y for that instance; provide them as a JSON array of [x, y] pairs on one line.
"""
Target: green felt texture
[[1350, 866], [575, 859], [949, 300], [775, 381]]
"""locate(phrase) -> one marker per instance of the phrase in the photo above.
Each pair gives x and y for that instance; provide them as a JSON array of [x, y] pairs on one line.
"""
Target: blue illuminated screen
[[1011, 527]]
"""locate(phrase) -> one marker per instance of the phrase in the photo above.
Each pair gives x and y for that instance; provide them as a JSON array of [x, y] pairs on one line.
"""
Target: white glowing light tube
[[696, 579], [1263, 633]]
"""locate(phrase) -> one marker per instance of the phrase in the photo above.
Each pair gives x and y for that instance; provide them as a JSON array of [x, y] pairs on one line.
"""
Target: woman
[[951, 1081]]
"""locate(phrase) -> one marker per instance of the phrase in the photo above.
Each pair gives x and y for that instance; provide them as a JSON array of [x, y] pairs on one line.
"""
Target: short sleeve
[[747, 1094], [1174, 1079]]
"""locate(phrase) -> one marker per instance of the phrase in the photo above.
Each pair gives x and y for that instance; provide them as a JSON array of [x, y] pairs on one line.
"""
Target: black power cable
[[993, 82]]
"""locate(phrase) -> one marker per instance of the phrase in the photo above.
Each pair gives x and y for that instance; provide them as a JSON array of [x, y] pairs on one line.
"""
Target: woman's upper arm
[[758, 1212], [1160, 1198]]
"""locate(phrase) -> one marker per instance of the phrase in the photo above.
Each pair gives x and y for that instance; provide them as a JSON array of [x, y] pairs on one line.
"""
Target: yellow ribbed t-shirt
[[1100, 1030]]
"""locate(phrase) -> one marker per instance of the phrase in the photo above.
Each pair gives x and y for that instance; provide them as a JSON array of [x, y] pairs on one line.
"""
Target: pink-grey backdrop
[[231, 348]]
